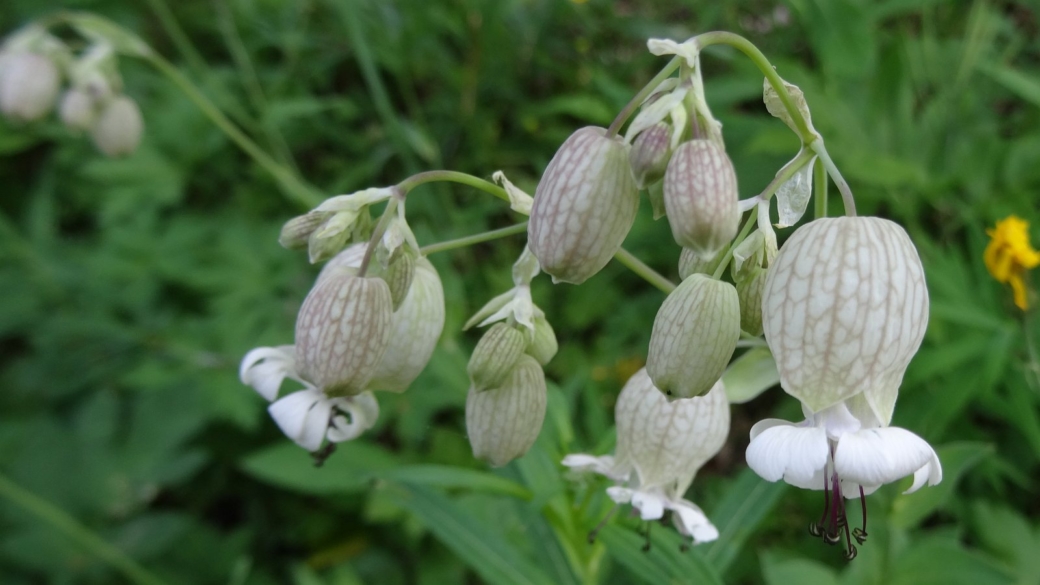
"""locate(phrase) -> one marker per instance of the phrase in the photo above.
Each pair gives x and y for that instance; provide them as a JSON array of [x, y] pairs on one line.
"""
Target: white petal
[[691, 521], [363, 410], [837, 421], [650, 505], [519, 201], [264, 368], [688, 50], [793, 453], [932, 473], [583, 463], [873, 457], [303, 416], [620, 495]]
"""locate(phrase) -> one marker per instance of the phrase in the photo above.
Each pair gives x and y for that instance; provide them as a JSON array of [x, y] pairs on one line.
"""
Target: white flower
[[661, 445], [306, 416], [845, 451], [309, 416]]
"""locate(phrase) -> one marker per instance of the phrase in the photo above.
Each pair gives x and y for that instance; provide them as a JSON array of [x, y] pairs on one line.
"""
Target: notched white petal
[[784, 451], [519, 201], [352, 416], [690, 521], [874, 457], [303, 416], [687, 50], [264, 368]]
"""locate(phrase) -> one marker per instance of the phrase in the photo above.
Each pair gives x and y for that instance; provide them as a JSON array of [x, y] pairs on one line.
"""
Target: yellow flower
[[1009, 255]]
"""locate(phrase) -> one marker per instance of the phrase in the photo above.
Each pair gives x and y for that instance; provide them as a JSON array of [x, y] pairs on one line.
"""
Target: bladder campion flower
[[844, 310], [660, 446], [1009, 255]]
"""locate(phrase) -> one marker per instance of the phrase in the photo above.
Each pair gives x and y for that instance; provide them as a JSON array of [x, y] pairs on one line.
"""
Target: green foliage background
[[130, 289]]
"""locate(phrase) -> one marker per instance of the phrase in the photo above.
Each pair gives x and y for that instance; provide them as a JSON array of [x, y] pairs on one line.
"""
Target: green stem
[[644, 93], [180, 39], [474, 239], [380, 229], [820, 204], [744, 231], [292, 185], [251, 82], [748, 48], [843, 187], [67, 525], [349, 13], [648, 274], [454, 177]]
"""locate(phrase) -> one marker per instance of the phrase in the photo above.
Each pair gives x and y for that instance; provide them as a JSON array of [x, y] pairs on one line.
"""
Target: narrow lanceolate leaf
[[504, 422], [479, 545], [342, 332], [845, 308], [495, 356], [700, 196], [663, 563], [694, 336], [584, 206]]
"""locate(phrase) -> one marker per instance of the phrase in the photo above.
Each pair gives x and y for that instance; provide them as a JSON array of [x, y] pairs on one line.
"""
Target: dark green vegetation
[[130, 289]]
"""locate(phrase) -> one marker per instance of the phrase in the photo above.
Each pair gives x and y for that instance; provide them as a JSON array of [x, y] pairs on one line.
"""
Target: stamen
[[646, 547], [324, 453], [861, 533], [816, 528], [595, 531]]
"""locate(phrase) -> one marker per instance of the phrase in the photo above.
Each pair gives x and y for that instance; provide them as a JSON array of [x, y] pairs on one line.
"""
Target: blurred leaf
[[749, 500], [1025, 86], [444, 476], [750, 375], [956, 458], [1009, 536], [800, 571], [940, 562], [478, 544], [350, 469], [663, 563]]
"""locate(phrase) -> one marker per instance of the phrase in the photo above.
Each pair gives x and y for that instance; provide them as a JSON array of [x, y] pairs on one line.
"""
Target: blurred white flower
[[661, 444], [29, 85], [117, 131]]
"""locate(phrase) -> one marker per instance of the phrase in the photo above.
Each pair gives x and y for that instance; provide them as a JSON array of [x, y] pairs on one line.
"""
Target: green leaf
[[956, 458], [446, 476], [750, 375], [349, 469], [664, 562], [476, 543], [1024, 85], [748, 501], [800, 571], [942, 562]]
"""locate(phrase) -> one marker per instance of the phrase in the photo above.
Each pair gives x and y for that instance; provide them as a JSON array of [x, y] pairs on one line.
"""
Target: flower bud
[[297, 231], [668, 440], [694, 336], [29, 85], [584, 206], [415, 326], [544, 345], [691, 263], [77, 110], [503, 423], [342, 331], [117, 131], [700, 195], [749, 291], [398, 274], [845, 308], [650, 153], [495, 356]]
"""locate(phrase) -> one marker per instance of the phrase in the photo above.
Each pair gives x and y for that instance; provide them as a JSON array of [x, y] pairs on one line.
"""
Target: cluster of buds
[[506, 403], [33, 64], [371, 322]]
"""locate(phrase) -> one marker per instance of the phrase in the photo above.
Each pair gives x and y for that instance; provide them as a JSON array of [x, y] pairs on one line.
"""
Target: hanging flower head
[[844, 310], [660, 446], [1009, 255]]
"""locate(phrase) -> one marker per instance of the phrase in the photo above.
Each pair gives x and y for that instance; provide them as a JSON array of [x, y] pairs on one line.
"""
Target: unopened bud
[[29, 85], [297, 231], [650, 153], [584, 206], [655, 193], [694, 336], [342, 331], [503, 423], [77, 110], [691, 263], [497, 352], [544, 345], [749, 291], [117, 131], [398, 274], [700, 194]]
